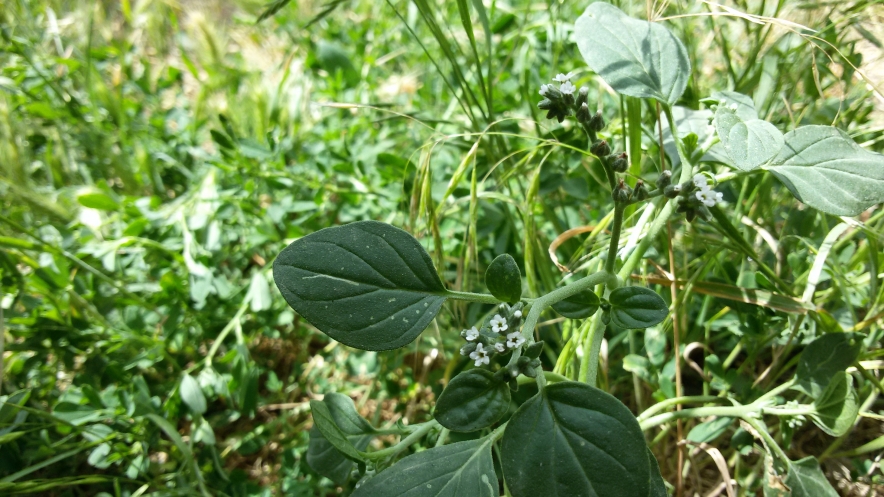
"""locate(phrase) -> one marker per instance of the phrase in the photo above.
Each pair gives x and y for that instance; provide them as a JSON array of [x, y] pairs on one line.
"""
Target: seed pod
[[641, 191], [620, 163], [600, 148]]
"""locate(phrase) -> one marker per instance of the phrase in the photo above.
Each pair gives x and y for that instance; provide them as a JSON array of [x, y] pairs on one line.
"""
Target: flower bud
[[622, 193], [672, 191], [533, 351], [597, 122], [704, 213], [600, 148], [583, 116], [690, 215], [551, 92], [665, 179], [641, 191], [582, 96], [619, 162], [546, 104]]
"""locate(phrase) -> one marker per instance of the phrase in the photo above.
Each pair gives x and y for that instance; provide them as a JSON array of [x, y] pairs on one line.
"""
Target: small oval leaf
[[635, 307], [454, 470], [323, 420], [322, 456], [574, 439], [824, 168], [749, 143], [192, 395], [637, 58], [473, 400], [367, 284], [503, 278], [579, 306]]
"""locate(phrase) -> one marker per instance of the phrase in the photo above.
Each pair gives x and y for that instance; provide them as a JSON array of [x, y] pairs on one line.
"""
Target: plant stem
[[591, 361], [615, 237], [661, 406], [483, 298], [403, 444]]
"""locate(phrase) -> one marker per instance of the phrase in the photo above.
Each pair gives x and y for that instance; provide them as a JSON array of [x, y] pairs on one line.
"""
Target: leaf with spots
[[575, 440], [462, 468], [367, 284]]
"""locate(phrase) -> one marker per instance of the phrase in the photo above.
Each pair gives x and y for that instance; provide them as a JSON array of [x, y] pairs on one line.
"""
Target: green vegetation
[[156, 157]]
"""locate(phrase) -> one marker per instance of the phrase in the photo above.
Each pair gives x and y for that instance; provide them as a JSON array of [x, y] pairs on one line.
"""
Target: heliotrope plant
[[372, 286]]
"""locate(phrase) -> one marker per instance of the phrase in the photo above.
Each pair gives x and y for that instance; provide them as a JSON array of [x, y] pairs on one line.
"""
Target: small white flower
[[498, 324], [517, 314], [701, 182], [709, 197], [500, 347], [567, 88], [544, 89], [472, 334], [562, 78], [514, 340], [480, 355]]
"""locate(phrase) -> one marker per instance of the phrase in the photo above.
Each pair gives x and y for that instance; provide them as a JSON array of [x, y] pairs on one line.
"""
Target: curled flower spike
[[498, 324], [562, 78], [472, 334], [514, 340], [709, 197], [567, 88], [480, 355]]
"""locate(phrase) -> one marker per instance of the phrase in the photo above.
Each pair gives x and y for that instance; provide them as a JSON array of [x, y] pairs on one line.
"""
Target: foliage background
[[155, 156]]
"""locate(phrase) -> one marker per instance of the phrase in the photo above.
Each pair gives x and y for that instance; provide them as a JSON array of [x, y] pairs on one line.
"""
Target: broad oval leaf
[[322, 456], [745, 106], [749, 143], [658, 484], [462, 468], [578, 306], [635, 307], [576, 440], [323, 420], [367, 284], [824, 358], [637, 58], [710, 430], [837, 407], [192, 395], [827, 170], [503, 278], [805, 479], [472, 400]]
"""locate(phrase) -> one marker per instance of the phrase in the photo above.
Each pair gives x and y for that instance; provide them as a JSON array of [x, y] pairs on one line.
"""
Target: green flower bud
[[582, 96], [583, 114], [514, 385], [619, 163], [641, 191], [534, 350], [672, 191], [690, 215], [704, 213], [600, 148], [665, 179], [597, 122], [546, 104]]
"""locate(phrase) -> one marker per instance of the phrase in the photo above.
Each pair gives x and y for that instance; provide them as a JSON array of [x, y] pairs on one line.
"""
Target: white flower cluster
[[566, 87], [484, 342], [705, 194]]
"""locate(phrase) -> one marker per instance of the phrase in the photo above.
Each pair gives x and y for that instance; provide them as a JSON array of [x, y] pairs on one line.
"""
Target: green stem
[[615, 237], [698, 412], [590, 373], [403, 444], [483, 298], [661, 406]]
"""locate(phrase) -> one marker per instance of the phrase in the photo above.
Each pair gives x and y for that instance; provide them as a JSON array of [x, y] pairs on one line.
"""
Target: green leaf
[[574, 439], [462, 468], [367, 284], [689, 121], [658, 484], [324, 421], [97, 200], [634, 307], [823, 359], [745, 106], [473, 400], [827, 170], [807, 480], [637, 58], [192, 395], [749, 143], [837, 407], [578, 306], [322, 456], [259, 293], [503, 278], [709, 430]]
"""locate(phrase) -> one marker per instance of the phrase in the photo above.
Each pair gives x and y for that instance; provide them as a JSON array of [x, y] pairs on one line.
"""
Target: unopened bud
[[704, 213], [665, 179], [582, 96], [641, 191], [597, 122], [672, 191], [622, 193], [620, 162], [546, 104], [583, 114], [600, 148]]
